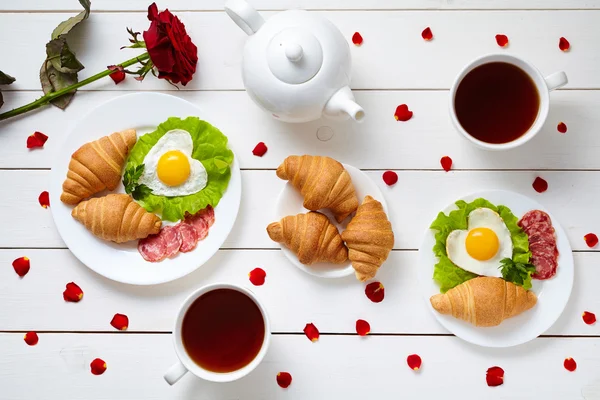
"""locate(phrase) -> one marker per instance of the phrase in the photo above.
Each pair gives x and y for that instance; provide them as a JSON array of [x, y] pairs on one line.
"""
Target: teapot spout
[[342, 102]]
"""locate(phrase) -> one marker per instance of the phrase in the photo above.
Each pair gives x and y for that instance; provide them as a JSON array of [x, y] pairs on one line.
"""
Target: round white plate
[[552, 293], [122, 262], [290, 202]]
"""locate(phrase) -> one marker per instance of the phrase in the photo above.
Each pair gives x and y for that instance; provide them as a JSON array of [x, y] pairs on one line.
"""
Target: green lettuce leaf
[[448, 275], [210, 148]]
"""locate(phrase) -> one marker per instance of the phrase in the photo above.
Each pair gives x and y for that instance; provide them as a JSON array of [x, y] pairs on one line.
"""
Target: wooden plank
[[380, 142], [347, 367], [292, 298], [413, 202], [393, 56]]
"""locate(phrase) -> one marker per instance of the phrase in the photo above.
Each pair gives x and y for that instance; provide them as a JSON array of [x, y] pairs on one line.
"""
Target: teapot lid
[[294, 55]]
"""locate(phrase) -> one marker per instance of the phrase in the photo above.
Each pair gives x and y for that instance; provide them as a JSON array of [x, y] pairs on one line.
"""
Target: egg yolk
[[482, 243], [173, 168]]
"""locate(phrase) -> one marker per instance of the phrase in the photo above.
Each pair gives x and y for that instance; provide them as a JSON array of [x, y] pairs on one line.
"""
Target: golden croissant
[[312, 237], [323, 182], [484, 301], [96, 166], [369, 238], [116, 217]]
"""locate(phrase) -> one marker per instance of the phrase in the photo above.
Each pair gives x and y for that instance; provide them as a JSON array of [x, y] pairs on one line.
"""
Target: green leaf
[[52, 80], [517, 273], [6, 79], [210, 148], [65, 27], [130, 178], [61, 57]]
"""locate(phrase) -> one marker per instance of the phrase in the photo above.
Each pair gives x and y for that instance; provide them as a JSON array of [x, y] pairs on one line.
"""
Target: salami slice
[[189, 237], [541, 227], [153, 248], [542, 243], [545, 266], [208, 214], [534, 217], [172, 238]]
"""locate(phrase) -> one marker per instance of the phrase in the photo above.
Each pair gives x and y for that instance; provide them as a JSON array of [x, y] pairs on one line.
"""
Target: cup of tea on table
[[499, 102], [221, 334]]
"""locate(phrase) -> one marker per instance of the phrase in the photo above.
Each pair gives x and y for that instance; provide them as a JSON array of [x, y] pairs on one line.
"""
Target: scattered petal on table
[[21, 266], [540, 185], [403, 113], [446, 163], [120, 322], [414, 362], [357, 39], [37, 139], [284, 379], [427, 34], [72, 293], [31, 338], [564, 44], [494, 376], [98, 366], [390, 178], [589, 317], [44, 199], [591, 239], [362, 327], [570, 364], [502, 40], [260, 149], [311, 332], [257, 276], [561, 127], [375, 292]]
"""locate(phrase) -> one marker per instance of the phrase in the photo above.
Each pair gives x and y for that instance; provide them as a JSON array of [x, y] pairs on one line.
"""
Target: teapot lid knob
[[294, 55], [293, 51]]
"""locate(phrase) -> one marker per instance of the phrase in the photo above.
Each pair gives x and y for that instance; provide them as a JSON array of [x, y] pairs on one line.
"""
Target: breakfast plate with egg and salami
[[496, 268], [145, 190]]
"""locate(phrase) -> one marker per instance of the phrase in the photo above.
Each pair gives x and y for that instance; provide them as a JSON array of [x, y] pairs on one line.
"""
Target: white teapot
[[296, 65]]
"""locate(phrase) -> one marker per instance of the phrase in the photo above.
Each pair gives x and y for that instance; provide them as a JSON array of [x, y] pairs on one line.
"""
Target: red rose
[[170, 47]]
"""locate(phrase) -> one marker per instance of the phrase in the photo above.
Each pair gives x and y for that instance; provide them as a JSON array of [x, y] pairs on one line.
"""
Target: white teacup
[[543, 86], [185, 364]]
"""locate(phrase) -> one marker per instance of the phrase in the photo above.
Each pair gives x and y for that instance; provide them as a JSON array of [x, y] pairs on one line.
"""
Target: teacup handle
[[175, 373], [244, 16], [556, 80]]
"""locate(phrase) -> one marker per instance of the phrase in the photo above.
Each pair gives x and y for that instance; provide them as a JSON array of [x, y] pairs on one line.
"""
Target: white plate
[[142, 112], [552, 293], [290, 202]]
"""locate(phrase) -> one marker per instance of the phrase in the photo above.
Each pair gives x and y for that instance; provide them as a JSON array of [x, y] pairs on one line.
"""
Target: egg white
[[176, 139], [457, 250]]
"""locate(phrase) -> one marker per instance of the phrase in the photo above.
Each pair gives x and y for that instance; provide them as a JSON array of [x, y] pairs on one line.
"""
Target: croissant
[[323, 182], [484, 301], [116, 217], [369, 238], [96, 166], [312, 237]]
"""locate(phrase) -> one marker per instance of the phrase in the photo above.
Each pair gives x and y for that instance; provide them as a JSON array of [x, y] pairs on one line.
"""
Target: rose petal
[[284, 379], [540, 185], [120, 322], [570, 364], [311, 332], [564, 44], [37, 139], [589, 317], [21, 266], [427, 34], [257, 276], [260, 149], [402, 113], [117, 76], [561, 127], [362, 327], [44, 199], [375, 292], [494, 376], [31, 338], [72, 293], [502, 40], [98, 366], [414, 362], [591, 239], [390, 178], [357, 39], [446, 163]]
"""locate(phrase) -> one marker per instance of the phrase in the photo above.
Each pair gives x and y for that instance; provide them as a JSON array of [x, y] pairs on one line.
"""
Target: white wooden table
[[393, 66]]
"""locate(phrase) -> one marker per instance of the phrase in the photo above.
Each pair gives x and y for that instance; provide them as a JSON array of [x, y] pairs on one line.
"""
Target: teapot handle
[[244, 16]]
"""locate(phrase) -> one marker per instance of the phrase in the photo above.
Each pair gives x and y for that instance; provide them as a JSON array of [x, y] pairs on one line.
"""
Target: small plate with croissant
[[331, 219], [496, 268], [141, 196]]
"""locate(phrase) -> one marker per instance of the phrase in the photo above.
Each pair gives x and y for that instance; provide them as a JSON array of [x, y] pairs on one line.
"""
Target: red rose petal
[[561, 127], [31, 338], [311, 332], [260, 149], [402, 113], [540, 185], [21, 266], [589, 317], [427, 34], [98, 366], [44, 199], [120, 322], [284, 379], [257, 276], [502, 40], [375, 292], [357, 39], [446, 163], [390, 178], [37, 139], [494, 376], [414, 362], [564, 44], [591, 239], [570, 364], [362, 327], [73, 293], [118, 76]]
